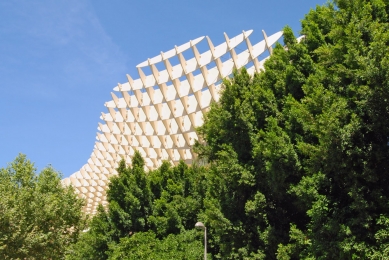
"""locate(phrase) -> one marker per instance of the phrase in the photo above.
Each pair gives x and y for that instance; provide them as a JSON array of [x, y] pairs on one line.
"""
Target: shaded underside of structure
[[157, 114]]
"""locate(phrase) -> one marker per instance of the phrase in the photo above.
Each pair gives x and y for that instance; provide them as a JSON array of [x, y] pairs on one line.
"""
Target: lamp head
[[200, 225]]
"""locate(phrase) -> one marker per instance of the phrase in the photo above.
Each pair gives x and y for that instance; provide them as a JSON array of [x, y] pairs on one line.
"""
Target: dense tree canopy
[[39, 217], [151, 215], [300, 151], [297, 158]]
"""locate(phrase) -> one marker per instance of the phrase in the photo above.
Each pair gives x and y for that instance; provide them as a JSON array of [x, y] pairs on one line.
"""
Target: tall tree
[[129, 198], [305, 143], [254, 159], [345, 112], [39, 217]]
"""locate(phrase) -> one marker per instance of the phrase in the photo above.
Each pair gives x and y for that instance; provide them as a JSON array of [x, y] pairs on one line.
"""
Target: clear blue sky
[[59, 61]]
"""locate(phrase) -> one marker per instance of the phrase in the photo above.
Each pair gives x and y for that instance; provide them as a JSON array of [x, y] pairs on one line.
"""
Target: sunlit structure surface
[[157, 114]]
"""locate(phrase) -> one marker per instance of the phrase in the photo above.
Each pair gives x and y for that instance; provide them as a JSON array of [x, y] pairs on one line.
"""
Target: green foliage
[[151, 215], [145, 245], [130, 198], [39, 217], [177, 197], [93, 242], [314, 148]]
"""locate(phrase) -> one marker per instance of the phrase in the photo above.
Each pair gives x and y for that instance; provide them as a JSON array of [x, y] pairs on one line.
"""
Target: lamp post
[[200, 225]]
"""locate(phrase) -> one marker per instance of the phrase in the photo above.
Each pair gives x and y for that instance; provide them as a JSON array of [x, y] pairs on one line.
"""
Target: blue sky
[[59, 61]]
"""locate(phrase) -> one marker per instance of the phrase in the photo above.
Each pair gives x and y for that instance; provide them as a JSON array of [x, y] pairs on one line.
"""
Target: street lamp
[[200, 225]]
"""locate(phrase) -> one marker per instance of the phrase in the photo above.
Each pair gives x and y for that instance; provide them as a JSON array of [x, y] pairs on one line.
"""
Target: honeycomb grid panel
[[157, 114]]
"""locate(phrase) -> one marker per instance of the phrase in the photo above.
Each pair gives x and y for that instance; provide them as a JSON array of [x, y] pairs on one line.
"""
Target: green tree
[[94, 242], [156, 210], [39, 217], [177, 198], [253, 157], [304, 144], [129, 198], [345, 115]]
